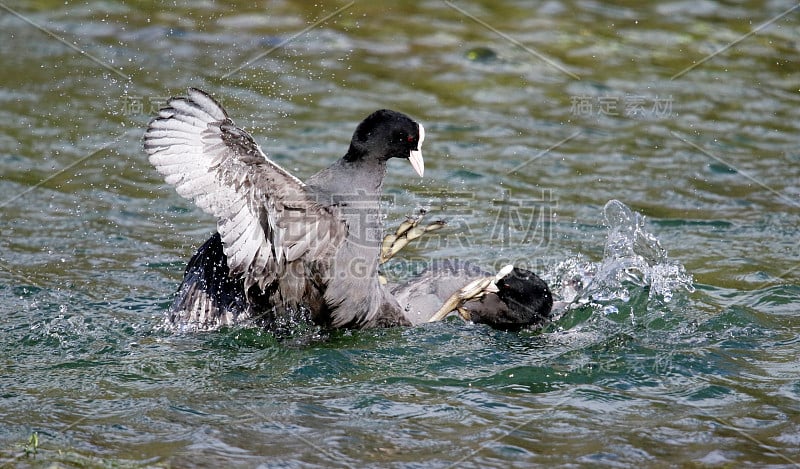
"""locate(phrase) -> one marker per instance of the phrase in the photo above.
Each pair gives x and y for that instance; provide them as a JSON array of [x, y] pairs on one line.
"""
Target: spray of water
[[632, 259]]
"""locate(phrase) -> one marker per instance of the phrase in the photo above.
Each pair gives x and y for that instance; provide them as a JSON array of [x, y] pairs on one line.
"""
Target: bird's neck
[[367, 175], [356, 296]]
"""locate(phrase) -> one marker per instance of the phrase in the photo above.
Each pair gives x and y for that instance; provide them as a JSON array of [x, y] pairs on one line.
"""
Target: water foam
[[633, 258]]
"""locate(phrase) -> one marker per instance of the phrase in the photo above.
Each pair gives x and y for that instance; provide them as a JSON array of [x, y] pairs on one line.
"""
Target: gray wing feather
[[209, 160]]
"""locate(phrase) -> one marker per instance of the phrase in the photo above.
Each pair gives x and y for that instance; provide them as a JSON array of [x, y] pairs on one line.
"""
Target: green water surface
[[536, 113]]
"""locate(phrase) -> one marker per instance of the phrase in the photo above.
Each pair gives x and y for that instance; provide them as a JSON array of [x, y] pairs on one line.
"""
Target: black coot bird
[[513, 299], [284, 250]]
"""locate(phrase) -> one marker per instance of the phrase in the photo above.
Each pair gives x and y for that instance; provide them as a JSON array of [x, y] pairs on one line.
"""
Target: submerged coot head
[[389, 134], [522, 299]]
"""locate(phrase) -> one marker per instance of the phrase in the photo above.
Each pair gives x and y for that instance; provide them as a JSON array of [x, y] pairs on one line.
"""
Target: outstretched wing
[[266, 217]]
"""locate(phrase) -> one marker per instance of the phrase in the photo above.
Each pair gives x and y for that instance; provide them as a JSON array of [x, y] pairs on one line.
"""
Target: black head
[[523, 299], [388, 134]]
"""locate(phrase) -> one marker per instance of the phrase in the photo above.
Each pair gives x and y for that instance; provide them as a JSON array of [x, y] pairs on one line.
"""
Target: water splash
[[633, 259]]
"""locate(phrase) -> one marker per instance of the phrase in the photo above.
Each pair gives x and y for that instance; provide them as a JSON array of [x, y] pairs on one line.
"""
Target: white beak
[[415, 157], [501, 274], [416, 162]]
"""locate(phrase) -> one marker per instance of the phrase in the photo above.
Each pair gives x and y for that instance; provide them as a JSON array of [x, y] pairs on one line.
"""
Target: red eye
[[410, 139]]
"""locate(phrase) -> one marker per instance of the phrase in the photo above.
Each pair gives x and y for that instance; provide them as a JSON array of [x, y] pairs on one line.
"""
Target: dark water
[[537, 114]]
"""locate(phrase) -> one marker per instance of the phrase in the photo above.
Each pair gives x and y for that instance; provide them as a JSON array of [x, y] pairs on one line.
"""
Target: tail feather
[[208, 297]]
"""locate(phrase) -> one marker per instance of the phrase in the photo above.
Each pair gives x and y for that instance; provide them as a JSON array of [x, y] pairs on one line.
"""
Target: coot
[[513, 299], [284, 251]]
